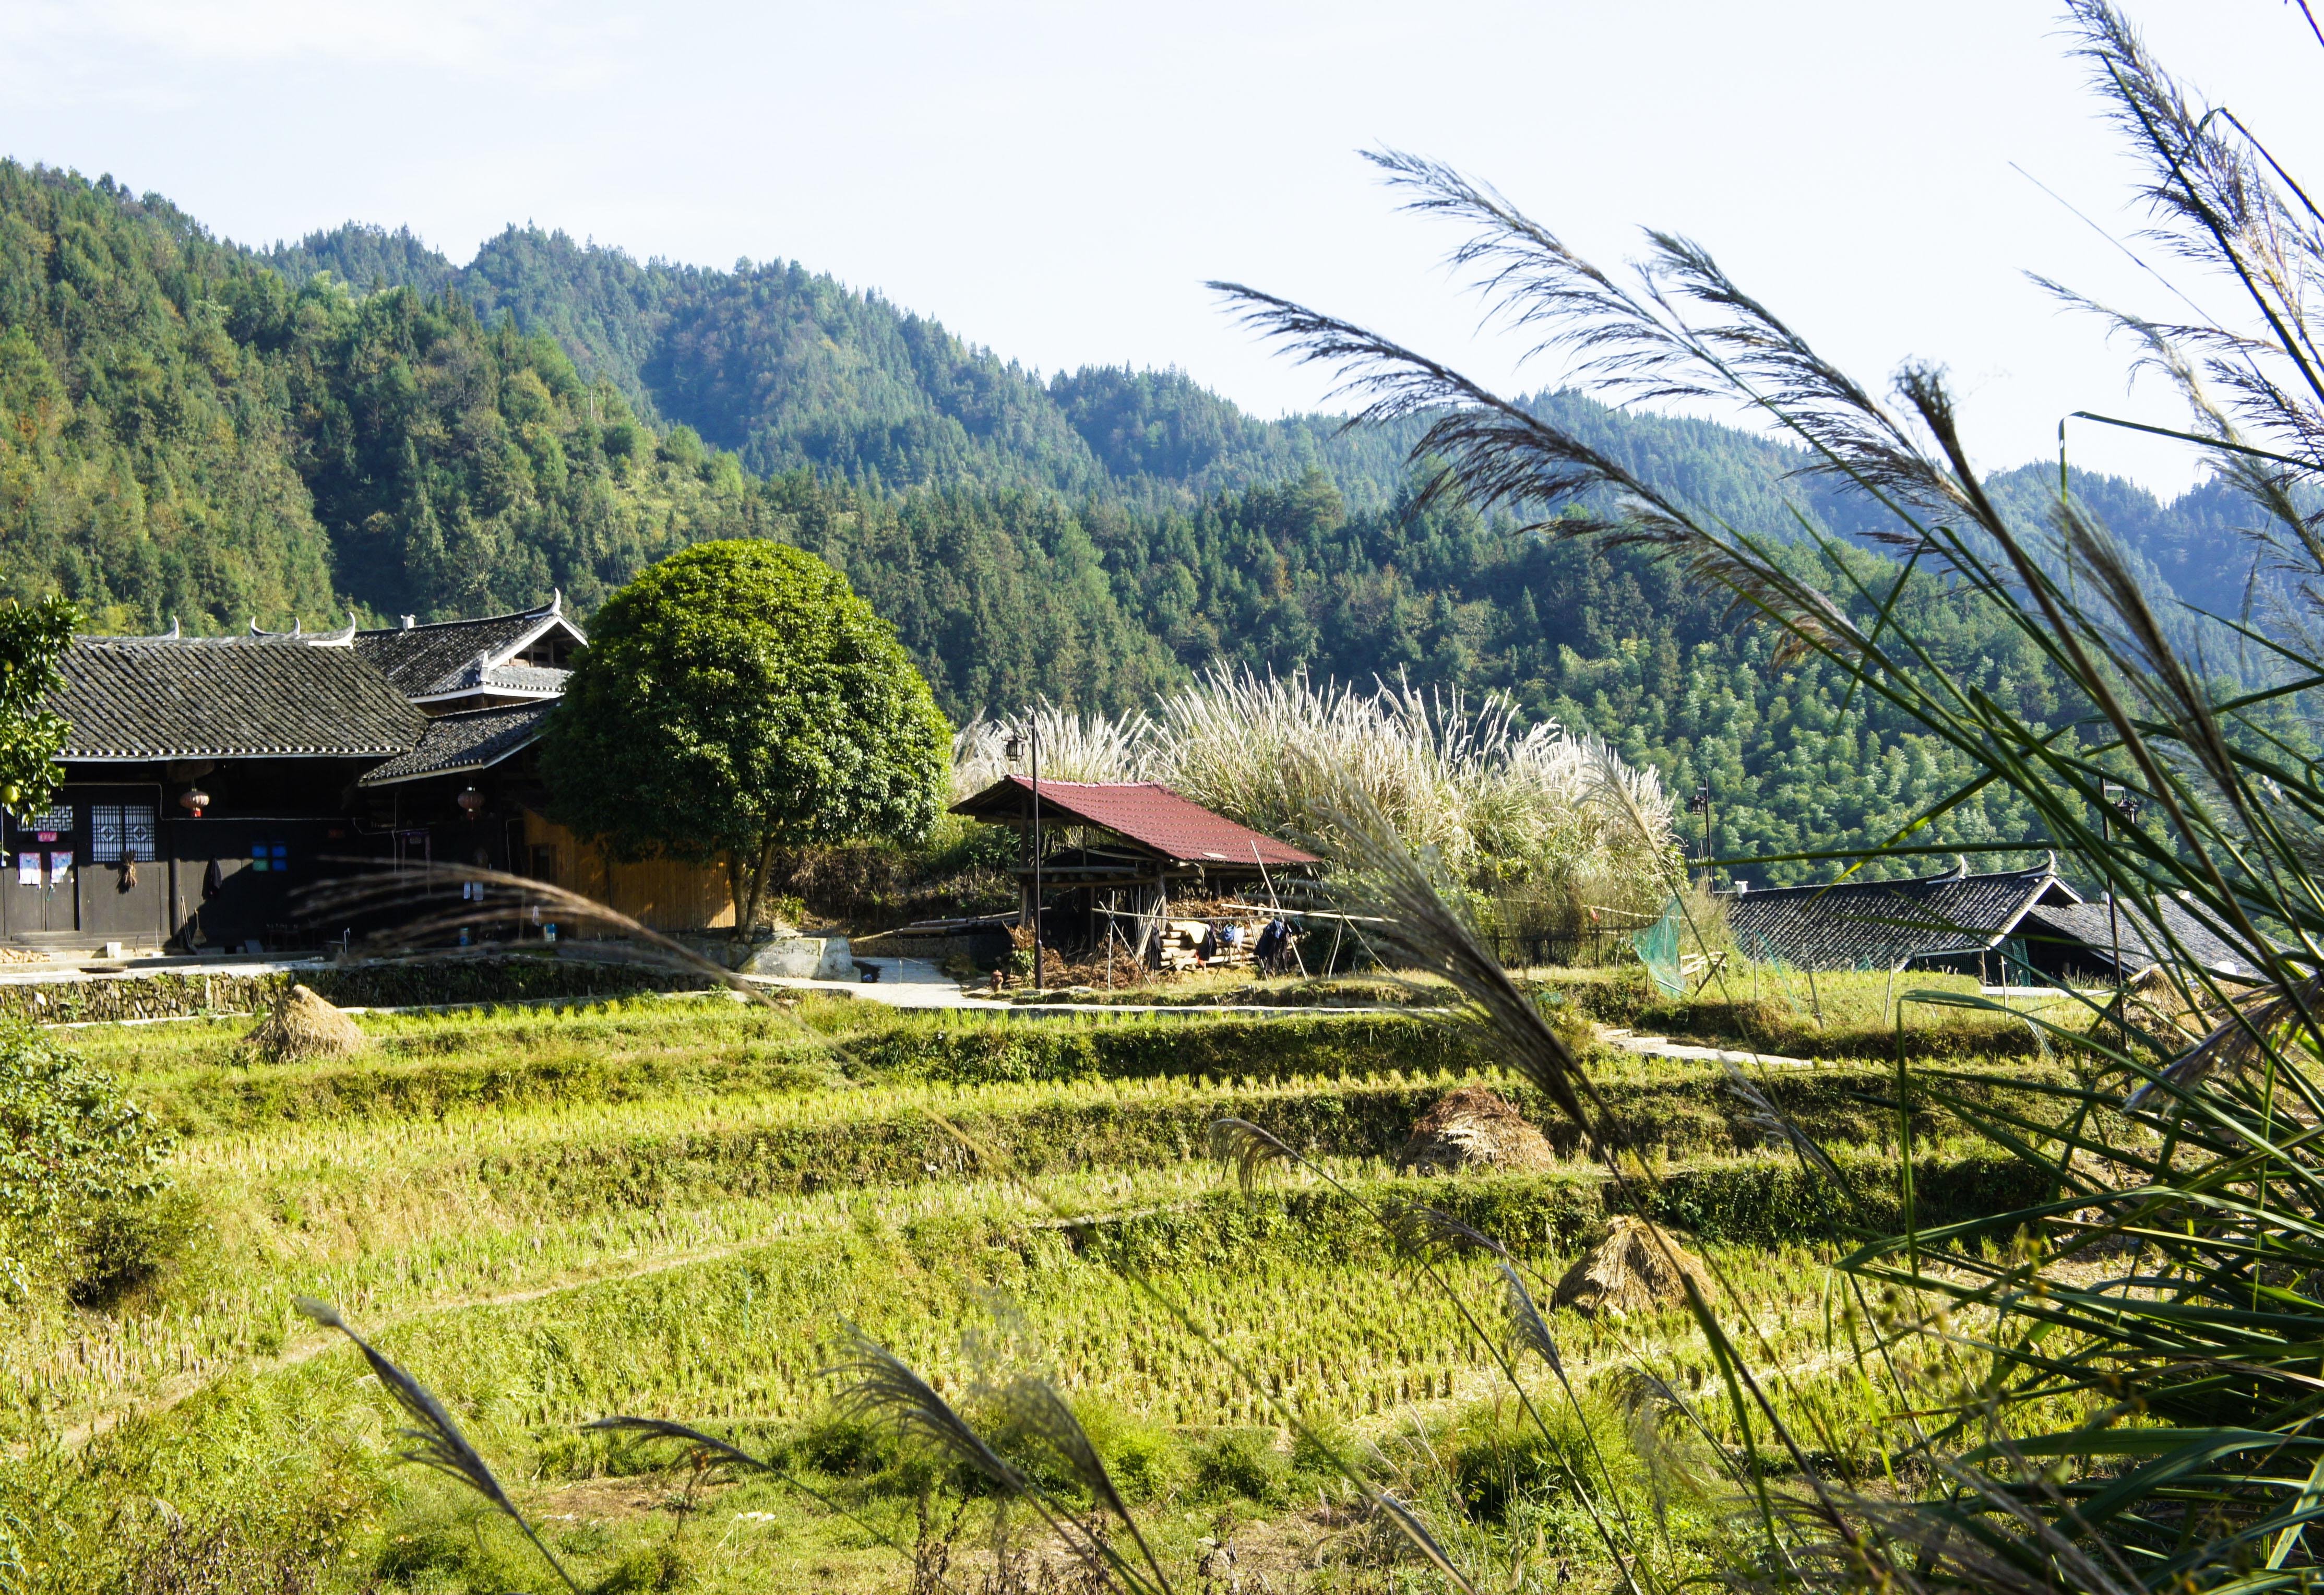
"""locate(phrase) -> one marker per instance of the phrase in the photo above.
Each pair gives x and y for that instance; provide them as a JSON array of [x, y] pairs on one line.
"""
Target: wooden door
[[40, 895], [124, 881]]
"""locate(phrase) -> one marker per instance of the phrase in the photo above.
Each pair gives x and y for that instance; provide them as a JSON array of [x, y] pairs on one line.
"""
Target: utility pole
[[1014, 748]]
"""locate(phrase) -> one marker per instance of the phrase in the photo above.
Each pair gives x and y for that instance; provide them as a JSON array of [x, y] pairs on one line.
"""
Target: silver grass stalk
[[423, 915], [436, 1441], [1034, 1405], [664, 1429], [2236, 835], [876, 1382]]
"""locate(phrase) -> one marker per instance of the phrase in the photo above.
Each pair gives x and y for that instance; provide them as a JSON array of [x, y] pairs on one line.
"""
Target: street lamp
[[1014, 748], [2114, 799], [1699, 803]]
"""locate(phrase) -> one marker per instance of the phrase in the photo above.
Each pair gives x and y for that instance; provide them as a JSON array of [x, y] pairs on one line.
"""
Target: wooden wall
[[661, 894]]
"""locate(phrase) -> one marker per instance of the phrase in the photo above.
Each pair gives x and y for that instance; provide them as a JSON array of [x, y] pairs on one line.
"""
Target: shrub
[[125, 1244], [80, 1167], [842, 1445], [1498, 1458], [648, 1571], [1244, 1462], [1146, 1462], [453, 1554]]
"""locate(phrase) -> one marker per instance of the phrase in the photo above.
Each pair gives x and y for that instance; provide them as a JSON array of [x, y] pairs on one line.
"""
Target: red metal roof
[[1146, 812]]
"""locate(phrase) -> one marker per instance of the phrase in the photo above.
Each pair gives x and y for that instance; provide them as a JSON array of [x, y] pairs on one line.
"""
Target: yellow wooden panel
[[662, 894]]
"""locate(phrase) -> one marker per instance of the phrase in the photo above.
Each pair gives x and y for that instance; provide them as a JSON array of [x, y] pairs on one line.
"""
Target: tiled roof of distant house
[[228, 697], [473, 739], [1888, 924], [2090, 925], [450, 657], [1146, 813]]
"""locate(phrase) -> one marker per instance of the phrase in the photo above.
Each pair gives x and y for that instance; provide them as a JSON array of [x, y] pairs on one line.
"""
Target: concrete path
[[1657, 1046], [903, 983], [914, 982]]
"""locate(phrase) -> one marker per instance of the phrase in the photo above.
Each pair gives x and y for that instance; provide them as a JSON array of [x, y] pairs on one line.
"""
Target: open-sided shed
[[1120, 850]]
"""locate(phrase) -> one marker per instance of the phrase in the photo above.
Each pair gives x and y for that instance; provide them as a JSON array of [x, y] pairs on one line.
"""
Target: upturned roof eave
[[543, 693]]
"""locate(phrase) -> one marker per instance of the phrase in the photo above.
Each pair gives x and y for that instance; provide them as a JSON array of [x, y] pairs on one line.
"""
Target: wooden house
[[208, 778], [2010, 928]]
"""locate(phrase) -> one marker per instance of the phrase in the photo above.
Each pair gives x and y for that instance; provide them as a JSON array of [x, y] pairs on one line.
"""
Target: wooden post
[[1150, 924]]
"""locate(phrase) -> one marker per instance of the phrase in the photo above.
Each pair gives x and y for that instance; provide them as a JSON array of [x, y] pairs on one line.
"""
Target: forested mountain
[[788, 369], [791, 370], [194, 429]]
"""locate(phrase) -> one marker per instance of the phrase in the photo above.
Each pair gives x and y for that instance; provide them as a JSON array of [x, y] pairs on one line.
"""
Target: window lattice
[[119, 831], [59, 820]]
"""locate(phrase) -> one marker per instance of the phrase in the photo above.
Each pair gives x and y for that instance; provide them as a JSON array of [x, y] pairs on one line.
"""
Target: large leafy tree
[[737, 699], [32, 639]]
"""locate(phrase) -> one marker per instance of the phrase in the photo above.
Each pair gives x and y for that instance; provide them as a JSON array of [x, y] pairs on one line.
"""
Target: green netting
[[1657, 949]]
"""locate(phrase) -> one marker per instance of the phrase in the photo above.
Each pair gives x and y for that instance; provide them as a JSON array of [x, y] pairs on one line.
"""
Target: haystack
[[1474, 1128], [1635, 1268], [302, 1026]]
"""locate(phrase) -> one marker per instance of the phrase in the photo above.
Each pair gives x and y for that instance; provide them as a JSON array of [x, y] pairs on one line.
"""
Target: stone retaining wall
[[170, 994]]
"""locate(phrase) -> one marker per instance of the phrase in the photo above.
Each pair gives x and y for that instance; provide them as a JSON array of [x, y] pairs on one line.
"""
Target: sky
[[1057, 181]]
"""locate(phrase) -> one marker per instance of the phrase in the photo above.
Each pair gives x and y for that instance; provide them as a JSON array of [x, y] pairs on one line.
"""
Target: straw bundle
[[1637, 1268], [1474, 1128], [301, 1026]]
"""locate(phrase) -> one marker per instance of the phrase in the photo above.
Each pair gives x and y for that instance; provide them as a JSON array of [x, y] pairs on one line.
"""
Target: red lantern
[[193, 800], [471, 802]]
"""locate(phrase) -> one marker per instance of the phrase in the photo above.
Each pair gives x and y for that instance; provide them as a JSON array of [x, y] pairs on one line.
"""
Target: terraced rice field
[[679, 1210]]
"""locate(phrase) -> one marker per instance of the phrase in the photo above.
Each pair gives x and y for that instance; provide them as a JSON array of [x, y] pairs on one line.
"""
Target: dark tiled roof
[[227, 698], [1145, 812], [2142, 948], [1885, 924], [473, 738], [423, 661]]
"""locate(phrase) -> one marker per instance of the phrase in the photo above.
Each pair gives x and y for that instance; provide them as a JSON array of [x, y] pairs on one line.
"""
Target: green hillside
[[189, 429], [791, 369], [187, 434]]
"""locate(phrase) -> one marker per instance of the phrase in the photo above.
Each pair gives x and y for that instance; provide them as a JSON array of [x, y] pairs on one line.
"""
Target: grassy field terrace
[[676, 1208]]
